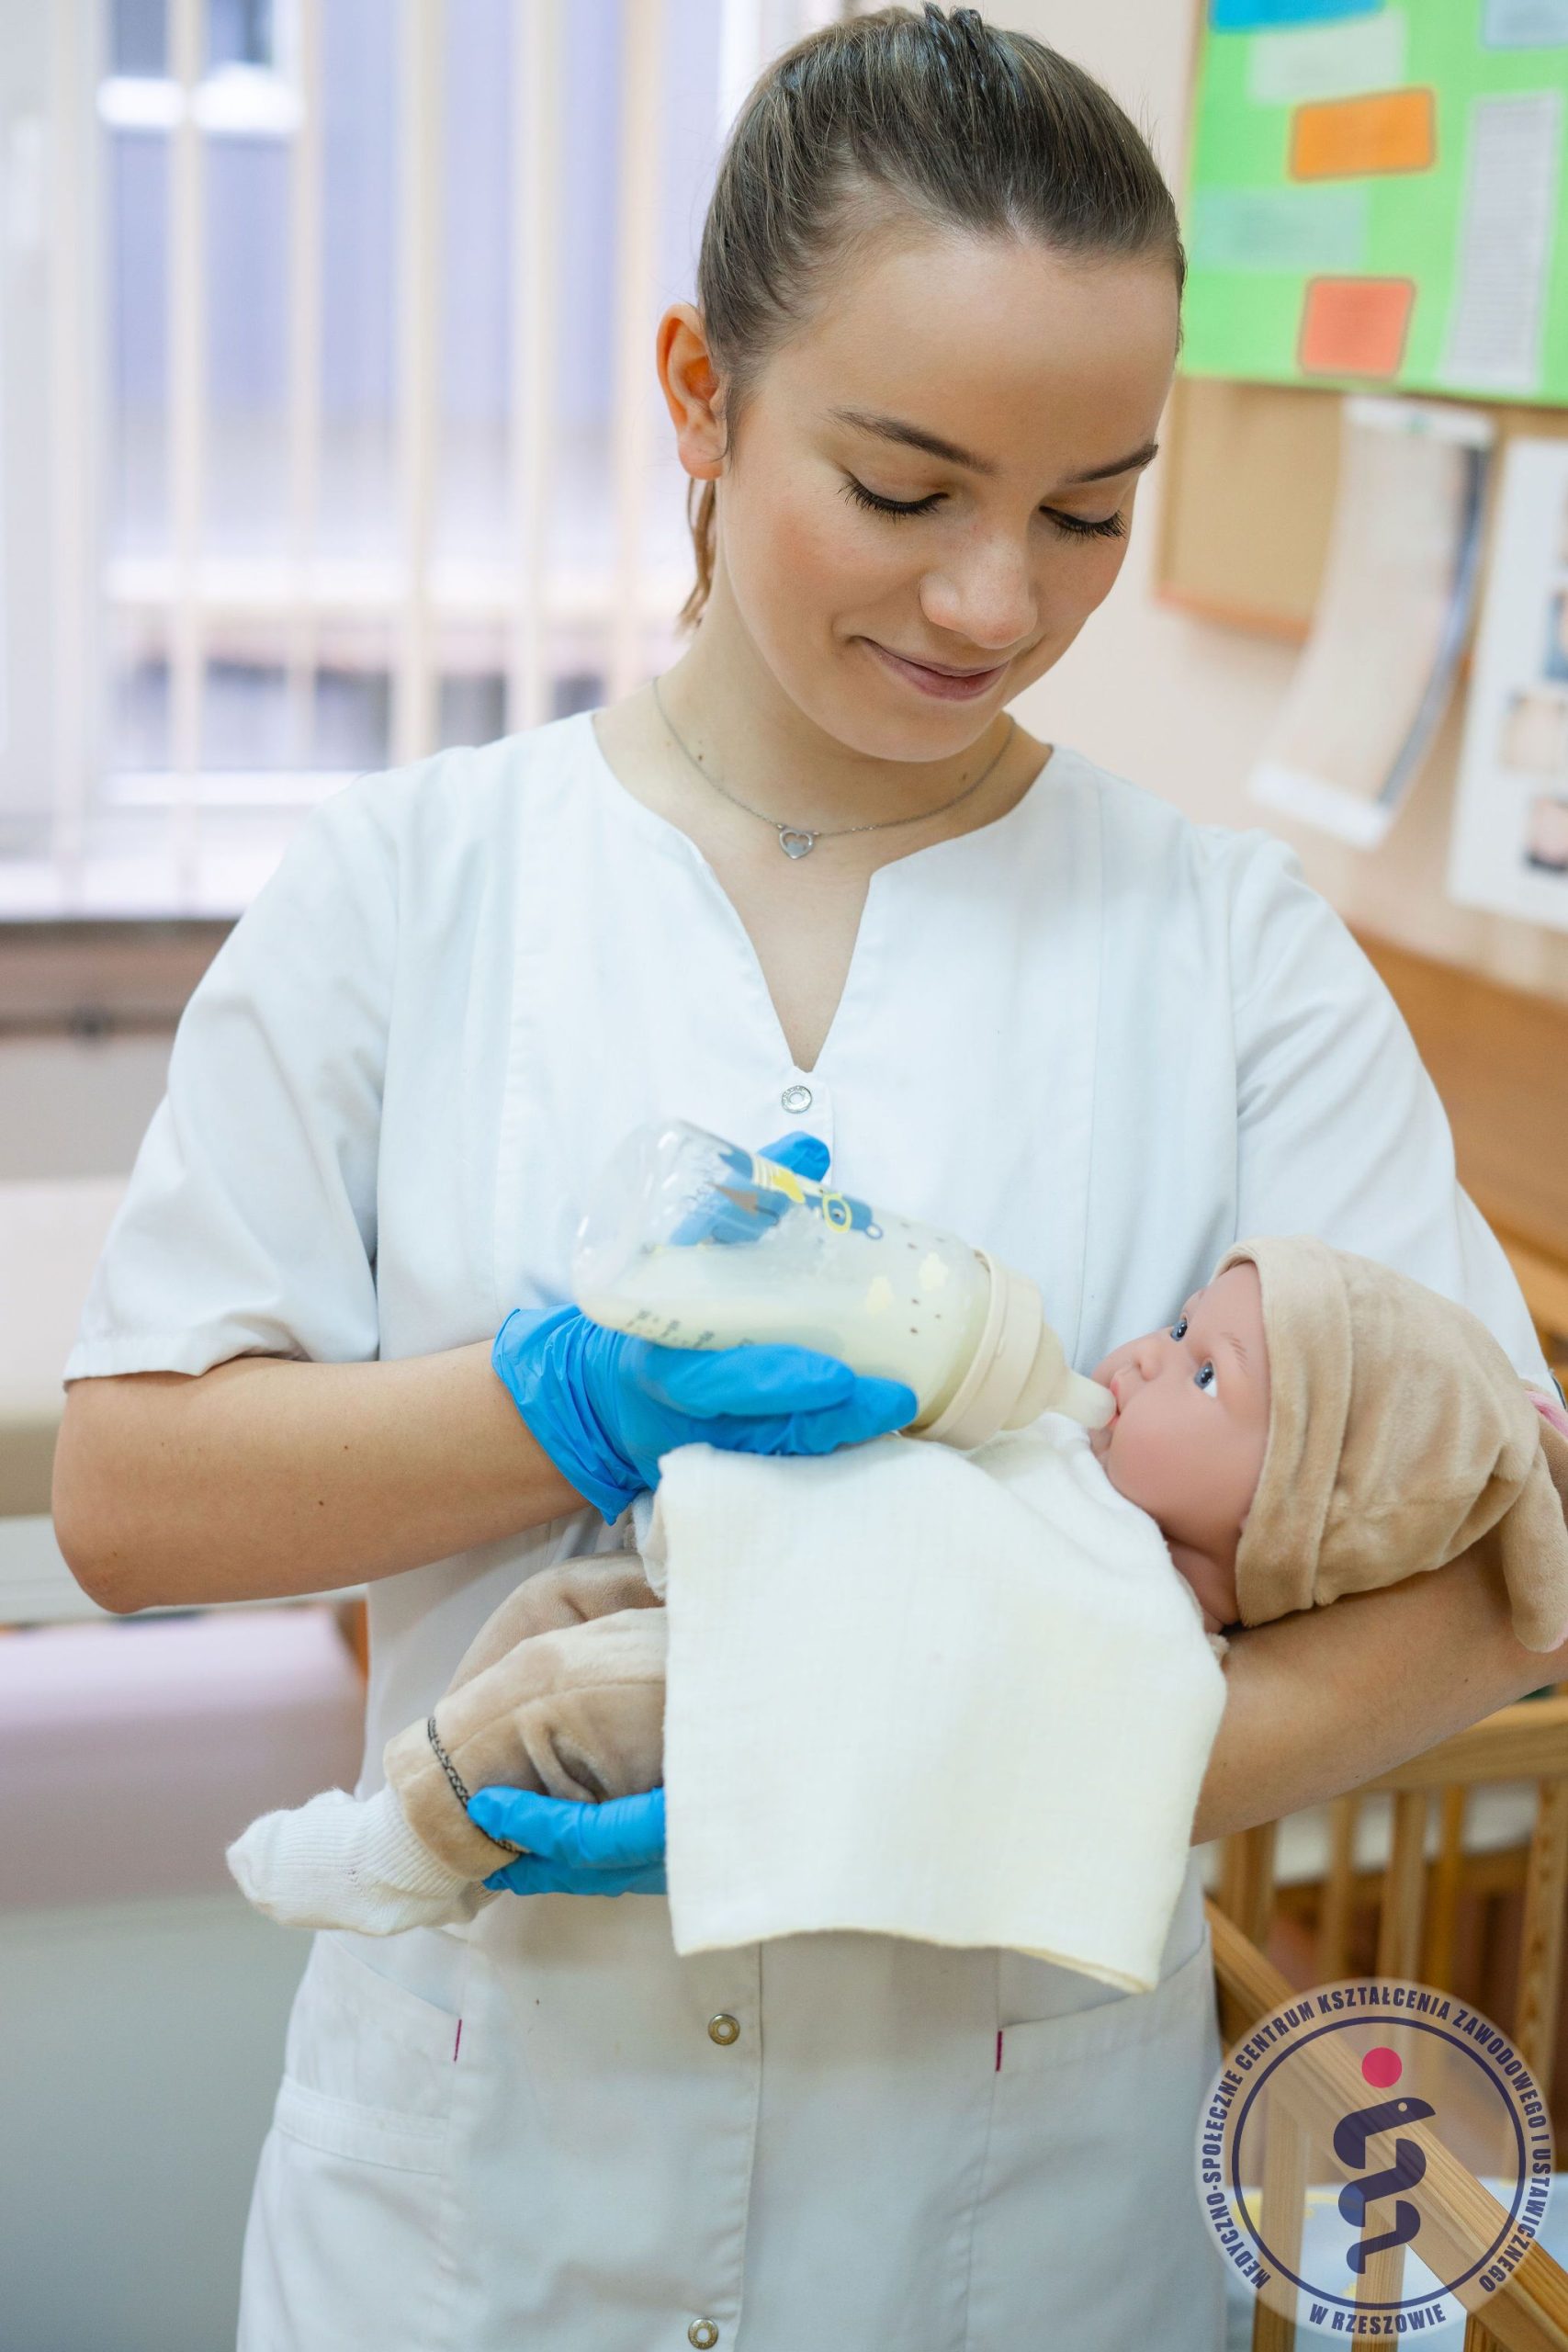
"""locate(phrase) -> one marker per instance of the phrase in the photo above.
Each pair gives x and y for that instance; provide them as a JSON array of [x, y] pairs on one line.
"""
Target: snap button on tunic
[[1096, 1039], [797, 1098], [724, 2028]]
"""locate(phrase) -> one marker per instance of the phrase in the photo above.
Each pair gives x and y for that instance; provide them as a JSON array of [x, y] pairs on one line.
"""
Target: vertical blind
[[355, 443]]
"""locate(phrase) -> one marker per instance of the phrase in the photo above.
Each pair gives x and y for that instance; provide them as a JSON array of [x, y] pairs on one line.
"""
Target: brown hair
[[865, 123]]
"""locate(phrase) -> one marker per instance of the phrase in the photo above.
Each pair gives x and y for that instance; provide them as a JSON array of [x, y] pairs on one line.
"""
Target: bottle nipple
[[1082, 1400], [1053, 1386], [1019, 1372]]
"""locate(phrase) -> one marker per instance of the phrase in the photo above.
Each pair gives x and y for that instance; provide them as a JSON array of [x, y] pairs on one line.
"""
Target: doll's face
[[1191, 1426]]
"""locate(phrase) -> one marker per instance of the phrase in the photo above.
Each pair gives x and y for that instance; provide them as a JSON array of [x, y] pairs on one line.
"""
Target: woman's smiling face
[[1044, 377]]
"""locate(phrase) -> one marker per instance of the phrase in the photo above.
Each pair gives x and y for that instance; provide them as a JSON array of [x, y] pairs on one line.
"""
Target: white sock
[[341, 1862]]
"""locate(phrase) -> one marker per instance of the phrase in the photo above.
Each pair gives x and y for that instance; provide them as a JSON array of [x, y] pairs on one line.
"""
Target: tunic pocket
[[345, 2244], [1088, 2230], [368, 2067]]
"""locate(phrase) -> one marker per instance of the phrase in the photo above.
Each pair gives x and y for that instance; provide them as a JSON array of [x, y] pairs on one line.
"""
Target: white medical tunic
[[1092, 1037]]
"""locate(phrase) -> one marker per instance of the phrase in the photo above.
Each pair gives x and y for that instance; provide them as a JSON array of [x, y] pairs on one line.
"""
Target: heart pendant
[[795, 844]]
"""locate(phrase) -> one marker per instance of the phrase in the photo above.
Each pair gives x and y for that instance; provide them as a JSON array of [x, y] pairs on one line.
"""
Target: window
[[342, 324]]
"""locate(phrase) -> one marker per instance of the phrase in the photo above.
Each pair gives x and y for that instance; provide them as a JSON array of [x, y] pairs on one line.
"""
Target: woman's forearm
[[1321, 1702], [264, 1477]]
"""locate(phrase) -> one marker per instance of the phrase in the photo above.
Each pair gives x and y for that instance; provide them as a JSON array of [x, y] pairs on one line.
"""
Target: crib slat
[[1541, 1958], [1246, 1880], [1339, 1892], [1282, 2216], [1447, 1872], [1380, 2283], [1271, 2331], [1399, 1930]]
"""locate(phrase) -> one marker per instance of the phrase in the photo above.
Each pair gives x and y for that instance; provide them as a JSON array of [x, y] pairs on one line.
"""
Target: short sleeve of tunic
[[1339, 1129], [248, 1225]]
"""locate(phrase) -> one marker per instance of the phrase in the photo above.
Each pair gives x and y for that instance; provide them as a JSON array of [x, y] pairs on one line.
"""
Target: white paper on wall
[[1508, 849], [1510, 206], [1391, 617]]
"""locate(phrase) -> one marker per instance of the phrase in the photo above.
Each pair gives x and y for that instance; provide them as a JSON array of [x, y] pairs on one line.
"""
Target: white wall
[[76, 1106], [1182, 705]]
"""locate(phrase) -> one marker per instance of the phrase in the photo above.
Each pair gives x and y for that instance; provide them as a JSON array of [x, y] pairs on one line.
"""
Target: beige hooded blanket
[[1399, 1435]]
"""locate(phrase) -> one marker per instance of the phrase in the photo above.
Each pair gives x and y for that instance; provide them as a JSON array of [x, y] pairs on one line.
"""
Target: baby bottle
[[696, 1243]]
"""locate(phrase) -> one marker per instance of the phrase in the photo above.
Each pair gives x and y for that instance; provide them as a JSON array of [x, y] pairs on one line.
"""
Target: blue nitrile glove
[[605, 1407], [616, 1848]]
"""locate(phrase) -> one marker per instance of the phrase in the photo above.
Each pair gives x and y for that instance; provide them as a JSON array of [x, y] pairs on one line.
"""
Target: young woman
[[817, 879]]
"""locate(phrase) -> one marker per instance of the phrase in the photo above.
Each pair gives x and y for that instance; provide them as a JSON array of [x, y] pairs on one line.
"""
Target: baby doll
[[1312, 1424]]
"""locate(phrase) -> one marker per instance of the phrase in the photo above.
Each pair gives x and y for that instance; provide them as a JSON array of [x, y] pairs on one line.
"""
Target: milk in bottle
[[697, 1243]]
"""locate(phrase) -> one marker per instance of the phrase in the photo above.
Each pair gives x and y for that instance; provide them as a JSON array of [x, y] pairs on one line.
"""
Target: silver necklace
[[795, 841]]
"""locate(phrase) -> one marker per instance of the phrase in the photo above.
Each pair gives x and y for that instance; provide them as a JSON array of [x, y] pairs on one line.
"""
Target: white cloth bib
[[960, 1697]]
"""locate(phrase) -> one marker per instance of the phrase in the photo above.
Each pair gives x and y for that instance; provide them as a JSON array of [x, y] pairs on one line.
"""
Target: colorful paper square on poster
[[1524, 24], [1248, 16], [1355, 326], [1343, 139], [1281, 228], [1334, 60]]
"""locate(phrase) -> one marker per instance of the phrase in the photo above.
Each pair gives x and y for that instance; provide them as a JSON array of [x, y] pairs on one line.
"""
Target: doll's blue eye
[[1179, 1329], [1204, 1378]]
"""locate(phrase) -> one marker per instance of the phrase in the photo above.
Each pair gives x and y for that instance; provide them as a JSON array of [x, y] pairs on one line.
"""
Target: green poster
[[1378, 196]]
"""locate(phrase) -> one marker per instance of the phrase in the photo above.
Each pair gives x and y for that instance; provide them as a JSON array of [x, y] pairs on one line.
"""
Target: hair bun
[[965, 28], [960, 52]]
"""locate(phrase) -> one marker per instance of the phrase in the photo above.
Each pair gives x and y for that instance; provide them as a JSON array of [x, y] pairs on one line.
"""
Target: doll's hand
[[616, 1848]]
